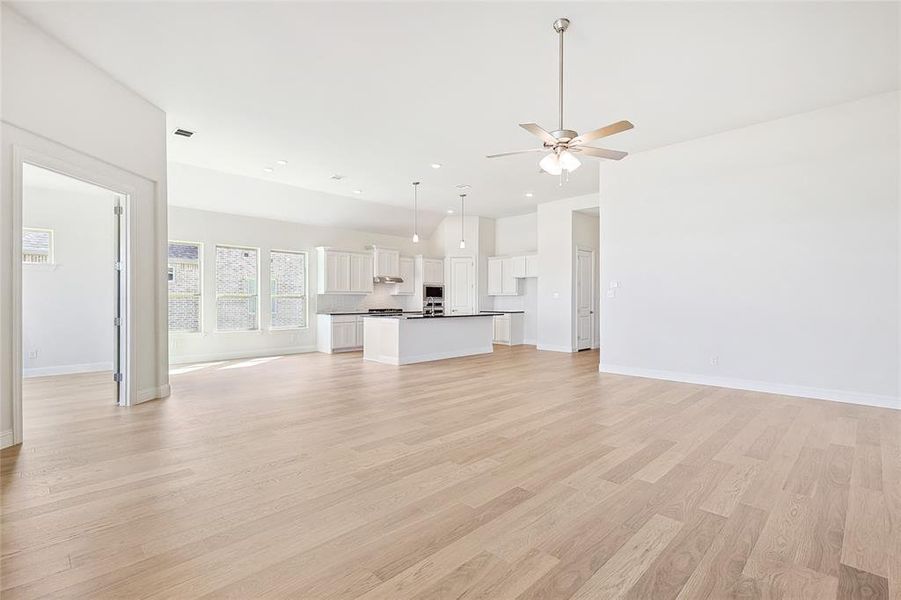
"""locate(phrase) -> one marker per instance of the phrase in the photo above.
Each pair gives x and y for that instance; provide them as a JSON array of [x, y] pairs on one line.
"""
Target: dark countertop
[[504, 312], [363, 312], [417, 316]]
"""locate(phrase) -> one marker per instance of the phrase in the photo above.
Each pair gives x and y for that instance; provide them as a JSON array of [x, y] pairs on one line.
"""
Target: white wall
[[68, 306], [771, 250], [56, 104], [556, 266], [211, 228]]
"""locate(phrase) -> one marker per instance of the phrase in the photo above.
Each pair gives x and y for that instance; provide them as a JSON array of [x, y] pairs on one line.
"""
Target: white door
[[462, 285], [584, 300]]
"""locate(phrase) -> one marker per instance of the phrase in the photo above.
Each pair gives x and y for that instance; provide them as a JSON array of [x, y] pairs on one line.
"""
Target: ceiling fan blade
[[517, 152], [534, 129], [611, 129], [600, 152]]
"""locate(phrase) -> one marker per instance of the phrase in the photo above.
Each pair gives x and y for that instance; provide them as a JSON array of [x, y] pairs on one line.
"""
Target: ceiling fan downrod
[[560, 26]]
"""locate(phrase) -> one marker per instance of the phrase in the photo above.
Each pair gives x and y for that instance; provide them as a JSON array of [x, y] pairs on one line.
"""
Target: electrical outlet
[[714, 360], [611, 293], [32, 354]]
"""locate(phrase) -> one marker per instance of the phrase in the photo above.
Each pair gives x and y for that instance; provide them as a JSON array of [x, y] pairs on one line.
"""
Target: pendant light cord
[[415, 210]]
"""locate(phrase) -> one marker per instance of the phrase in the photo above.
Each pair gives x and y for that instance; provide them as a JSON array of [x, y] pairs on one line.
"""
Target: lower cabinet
[[508, 329], [339, 333]]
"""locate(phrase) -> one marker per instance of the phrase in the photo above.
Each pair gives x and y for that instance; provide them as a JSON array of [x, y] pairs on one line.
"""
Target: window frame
[[51, 254], [305, 295], [258, 327], [200, 257]]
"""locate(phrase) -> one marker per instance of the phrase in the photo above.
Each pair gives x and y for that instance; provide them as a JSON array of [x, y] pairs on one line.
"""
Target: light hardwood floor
[[521, 474]]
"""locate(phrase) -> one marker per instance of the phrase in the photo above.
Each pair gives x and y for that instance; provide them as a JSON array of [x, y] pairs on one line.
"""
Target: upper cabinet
[[386, 263], [408, 273], [432, 271], [341, 272], [501, 279], [503, 273]]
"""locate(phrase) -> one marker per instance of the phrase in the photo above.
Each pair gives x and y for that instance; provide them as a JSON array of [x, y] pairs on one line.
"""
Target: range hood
[[387, 279]]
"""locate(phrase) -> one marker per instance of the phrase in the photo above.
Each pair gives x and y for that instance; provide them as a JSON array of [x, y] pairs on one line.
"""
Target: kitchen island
[[406, 339]]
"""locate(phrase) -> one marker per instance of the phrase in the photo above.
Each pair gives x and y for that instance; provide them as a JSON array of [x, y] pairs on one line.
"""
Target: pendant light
[[462, 237], [415, 216]]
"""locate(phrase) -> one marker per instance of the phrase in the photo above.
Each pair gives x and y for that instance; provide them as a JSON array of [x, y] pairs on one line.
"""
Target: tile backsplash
[[379, 298]]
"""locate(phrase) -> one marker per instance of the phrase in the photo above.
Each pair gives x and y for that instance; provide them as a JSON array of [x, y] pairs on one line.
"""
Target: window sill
[[230, 331], [41, 266], [275, 329]]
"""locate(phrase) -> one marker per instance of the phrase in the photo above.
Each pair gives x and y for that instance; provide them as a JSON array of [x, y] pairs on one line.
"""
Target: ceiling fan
[[562, 145]]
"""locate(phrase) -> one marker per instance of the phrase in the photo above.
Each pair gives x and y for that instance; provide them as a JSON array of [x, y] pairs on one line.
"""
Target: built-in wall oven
[[433, 300]]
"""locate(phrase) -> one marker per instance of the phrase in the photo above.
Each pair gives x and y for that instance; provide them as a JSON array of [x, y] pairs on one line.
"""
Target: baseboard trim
[[6, 438], [201, 358], [67, 369], [751, 385], [154, 393], [550, 348]]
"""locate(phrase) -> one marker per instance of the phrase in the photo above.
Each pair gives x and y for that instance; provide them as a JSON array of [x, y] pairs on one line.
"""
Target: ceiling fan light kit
[[561, 143]]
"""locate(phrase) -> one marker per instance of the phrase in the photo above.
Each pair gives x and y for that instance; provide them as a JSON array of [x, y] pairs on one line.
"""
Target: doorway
[[584, 299], [462, 285], [73, 291]]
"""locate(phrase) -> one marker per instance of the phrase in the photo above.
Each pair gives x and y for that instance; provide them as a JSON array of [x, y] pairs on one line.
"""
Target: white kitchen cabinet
[[501, 278], [495, 276], [519, 266], [342, 272], [532, 265], [432, 271], [339, 333], [509, 329], [408, 274], [386, 262]]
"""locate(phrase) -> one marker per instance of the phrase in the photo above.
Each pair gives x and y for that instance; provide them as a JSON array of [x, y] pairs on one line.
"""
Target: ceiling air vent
[[184, 132], [337, 177]]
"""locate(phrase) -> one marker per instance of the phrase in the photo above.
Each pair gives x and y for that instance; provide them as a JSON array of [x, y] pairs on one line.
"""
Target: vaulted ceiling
[[378, 91]]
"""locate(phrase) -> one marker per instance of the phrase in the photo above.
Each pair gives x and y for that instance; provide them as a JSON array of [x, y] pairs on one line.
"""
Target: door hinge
[[117, 321], [118, 265], [117, 377], [117, 210]]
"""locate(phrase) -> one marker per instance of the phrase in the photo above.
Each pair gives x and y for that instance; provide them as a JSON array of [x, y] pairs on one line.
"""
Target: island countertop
[[418, 316]]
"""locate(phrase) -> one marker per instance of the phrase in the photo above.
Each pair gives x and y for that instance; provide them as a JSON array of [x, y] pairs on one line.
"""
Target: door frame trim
[[89, 170]]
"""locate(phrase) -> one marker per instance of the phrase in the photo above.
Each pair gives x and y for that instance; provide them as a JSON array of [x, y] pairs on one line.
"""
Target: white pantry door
[[584, 300], [462, 285]]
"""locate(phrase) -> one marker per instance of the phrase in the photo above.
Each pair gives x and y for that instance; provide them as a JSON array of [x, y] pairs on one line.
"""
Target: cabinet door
[[342, 281], [393, 259], [495, 276], [502, 329], [344, 334], [331, 272], [519, 266], [433, 271], [509, 281], [358, 340], [408, 273], [356, 273], [532, 266]]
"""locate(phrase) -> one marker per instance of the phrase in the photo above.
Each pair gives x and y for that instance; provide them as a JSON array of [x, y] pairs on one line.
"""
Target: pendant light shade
[[462, 222], [415, 214]]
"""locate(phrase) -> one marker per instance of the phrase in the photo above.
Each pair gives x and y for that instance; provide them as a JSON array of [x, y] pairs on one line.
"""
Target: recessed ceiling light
[[529, 194], [358, 191], [337, 177], [463, 186], [281, 163], [267, 169], [436, 165], [450, 211]]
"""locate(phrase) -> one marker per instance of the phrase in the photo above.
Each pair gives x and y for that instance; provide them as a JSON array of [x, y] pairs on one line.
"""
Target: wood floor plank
[[519, 474]]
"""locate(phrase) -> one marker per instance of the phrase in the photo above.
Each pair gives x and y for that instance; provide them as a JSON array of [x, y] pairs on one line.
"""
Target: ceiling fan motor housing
[[563, 136]]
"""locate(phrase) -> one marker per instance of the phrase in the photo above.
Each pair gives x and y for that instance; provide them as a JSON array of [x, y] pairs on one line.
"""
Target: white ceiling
[[378, 91]]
